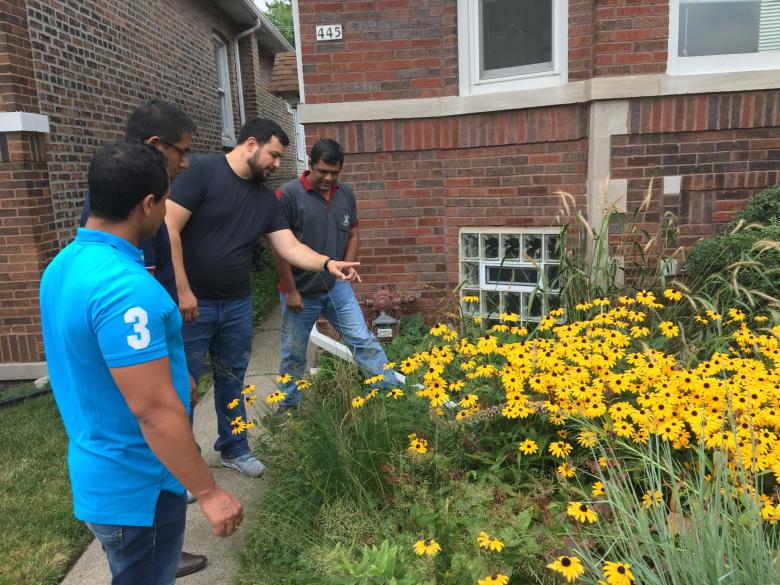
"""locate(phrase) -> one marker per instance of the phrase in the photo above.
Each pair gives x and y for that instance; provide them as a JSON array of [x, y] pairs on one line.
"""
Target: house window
[[507, 45], [223, 92], [714, 36], [509, 271]]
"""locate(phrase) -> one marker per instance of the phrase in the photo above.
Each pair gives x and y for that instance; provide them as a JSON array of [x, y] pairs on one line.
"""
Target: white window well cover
[[714, 36]]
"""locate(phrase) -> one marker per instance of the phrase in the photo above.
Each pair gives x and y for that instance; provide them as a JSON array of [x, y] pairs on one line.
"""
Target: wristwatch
[[325, 265]]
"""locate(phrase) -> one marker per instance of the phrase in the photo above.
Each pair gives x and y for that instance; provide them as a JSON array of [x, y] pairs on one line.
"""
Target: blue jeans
[[340, 307], [224, 331], [149, 555]]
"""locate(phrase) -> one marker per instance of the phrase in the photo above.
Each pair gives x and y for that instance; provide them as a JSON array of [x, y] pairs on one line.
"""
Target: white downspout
[[237, 61]]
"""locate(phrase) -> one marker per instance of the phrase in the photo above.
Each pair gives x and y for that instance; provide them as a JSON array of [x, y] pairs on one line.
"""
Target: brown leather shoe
[[190, 563]]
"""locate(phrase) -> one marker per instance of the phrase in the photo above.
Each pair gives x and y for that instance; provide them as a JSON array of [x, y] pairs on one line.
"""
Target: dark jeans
[[148, 555], [224, 331]]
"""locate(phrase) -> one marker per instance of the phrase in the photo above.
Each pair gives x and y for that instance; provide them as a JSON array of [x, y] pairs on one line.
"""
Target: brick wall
[[392, 49], [418, 181], [87, 64], [96, 60], [726, 147]]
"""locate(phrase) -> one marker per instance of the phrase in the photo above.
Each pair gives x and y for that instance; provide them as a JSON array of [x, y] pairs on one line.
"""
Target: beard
[[259, 174]]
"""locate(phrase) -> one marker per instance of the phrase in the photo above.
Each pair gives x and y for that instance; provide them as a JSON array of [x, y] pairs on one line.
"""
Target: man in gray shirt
[[322, 214]]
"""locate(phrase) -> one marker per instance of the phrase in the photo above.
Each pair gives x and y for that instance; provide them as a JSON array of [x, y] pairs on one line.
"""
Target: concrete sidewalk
[[92, 568]]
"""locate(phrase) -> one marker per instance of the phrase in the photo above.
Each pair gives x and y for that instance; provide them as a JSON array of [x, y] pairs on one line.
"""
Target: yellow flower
[[644, 297], [700, 319], [713, 315], [250, 400], [470, 299], [651, 498], [637, 332], [427, 547], [618, 573], [239, 420], [560, 449], [418, 446], [736, 315], [468, 401], [581, 512], [277, 396], [587, 439], [248, 389], [597, 489], [395, 393], [283, 378], [528, 447], [672, 295], [567, 470], [508, 317], [497, 579], [488, 542], [374, 379], [669, 329], [760, 319], [477, 320], [232, 404], [409, 366], [302, 384], [358, 402], [570, 567]]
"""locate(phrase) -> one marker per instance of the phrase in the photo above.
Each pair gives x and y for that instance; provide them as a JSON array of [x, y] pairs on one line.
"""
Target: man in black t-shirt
[[218, 210]]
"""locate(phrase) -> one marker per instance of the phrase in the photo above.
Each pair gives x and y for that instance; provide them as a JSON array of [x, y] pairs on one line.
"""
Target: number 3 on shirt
[[142, 336]]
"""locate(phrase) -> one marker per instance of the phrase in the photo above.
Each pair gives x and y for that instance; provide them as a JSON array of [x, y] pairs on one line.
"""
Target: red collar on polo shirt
[[308, 186]]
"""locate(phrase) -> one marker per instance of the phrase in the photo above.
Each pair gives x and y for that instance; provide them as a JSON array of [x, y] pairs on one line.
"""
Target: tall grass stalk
[[705, 530]]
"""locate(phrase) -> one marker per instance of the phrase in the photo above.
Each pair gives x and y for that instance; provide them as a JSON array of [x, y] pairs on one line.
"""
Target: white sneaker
[[191, 497], [247, 464]]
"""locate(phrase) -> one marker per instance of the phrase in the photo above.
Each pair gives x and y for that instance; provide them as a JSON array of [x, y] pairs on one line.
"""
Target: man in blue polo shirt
[[322, 214], [116, 361]]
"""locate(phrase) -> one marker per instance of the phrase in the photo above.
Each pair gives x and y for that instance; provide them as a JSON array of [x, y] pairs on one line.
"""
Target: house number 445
[[329, 32]]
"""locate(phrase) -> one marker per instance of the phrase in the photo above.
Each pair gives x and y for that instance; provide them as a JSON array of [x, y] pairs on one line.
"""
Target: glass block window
[[508, 270]]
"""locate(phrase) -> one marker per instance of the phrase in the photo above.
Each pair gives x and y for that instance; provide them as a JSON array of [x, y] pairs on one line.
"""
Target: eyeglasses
[[184, 152]]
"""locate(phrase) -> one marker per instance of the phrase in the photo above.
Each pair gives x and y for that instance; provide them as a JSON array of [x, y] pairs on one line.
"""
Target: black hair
[[121, 174], [159, 118], [262, 130], [328, 151]]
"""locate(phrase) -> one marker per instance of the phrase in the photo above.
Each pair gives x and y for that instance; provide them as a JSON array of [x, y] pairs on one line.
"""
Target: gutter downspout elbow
[[237, 61]]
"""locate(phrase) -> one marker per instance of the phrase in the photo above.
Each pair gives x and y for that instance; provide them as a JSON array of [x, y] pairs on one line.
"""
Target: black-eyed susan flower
[[470, 299], [672, 295], [570, 567], [358, 402], [302, 384], [232, 404], [250, 400], [468, 401], [427, 547], [248, 389], [489, 542], [283, 378], [581, 512], [528, 447], [496, 579], [418, 446], [567, 470], [274, 397], [644, 297], [597, 489], [395, 393], [618, 573], [559, 449], [651, 498], [374, 379], [587, 439], [669, 329]]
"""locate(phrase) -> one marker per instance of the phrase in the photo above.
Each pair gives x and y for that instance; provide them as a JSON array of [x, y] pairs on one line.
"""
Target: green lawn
[[39, 538]]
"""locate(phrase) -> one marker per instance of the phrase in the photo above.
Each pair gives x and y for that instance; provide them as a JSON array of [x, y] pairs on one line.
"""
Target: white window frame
[[224, 94], [677, 65], [469, 31], [485, 287]]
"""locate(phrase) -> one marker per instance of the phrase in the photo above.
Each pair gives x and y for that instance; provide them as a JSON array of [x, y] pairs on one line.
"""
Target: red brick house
[[71, 71], [462, 118]]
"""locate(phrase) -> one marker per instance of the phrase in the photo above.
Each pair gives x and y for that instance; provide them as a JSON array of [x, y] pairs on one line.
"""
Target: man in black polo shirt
[[323, 215], [218, 210]]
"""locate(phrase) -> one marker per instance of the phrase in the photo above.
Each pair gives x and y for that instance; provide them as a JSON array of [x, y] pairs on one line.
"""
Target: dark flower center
[[621, 569], [583, 508], [565, 561]]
